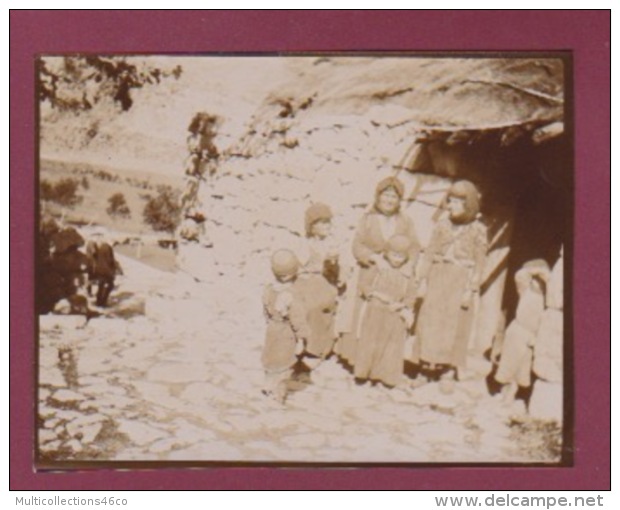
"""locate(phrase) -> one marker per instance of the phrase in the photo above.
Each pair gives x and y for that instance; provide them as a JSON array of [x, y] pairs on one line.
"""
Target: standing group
[[394, 288]]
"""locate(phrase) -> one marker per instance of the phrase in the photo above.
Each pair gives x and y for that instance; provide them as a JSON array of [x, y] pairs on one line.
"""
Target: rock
[[139, 433], [115, 402], [67, 414], [87, 406], [64, 396], [43, 394], [50, 423], [51, 446], [46, 411], [103, 389], [183, 430], [86, 428], [45, 436], [75, 445], [166, 445], [51, 376]]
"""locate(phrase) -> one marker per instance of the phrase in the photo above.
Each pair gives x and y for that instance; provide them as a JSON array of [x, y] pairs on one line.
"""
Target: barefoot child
[[387, 316], [286, 325], [515, 364]]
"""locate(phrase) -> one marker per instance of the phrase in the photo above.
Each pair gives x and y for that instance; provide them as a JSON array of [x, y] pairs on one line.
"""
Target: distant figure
[[389, 297], [286, 325], [61, 265], [202, 159], [515, 364], [102, 270]]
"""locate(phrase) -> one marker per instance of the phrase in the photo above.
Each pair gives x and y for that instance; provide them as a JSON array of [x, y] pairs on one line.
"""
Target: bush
[[163, 212], [117, 206], [63, 192]]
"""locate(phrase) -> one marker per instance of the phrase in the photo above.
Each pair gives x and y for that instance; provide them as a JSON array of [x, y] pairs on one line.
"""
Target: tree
[[163, 212], [117, 206], [78, 82], [63, 192]]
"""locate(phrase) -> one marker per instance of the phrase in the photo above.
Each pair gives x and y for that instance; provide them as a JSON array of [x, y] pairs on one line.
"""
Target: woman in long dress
[[376, 227], [450, 277]]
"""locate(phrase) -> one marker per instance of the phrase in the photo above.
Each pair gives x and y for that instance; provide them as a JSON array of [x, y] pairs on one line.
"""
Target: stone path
[[177, 377]]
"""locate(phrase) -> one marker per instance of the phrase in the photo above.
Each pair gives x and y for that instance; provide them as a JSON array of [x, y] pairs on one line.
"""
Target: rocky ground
[[169, 374]]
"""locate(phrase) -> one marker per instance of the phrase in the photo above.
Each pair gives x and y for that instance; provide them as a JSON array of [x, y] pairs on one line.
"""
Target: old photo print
[[327, 259]]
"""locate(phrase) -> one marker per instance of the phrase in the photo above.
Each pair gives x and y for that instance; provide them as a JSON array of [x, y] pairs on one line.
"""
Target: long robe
[[285, 324], [452, 264], [548, 351], [381, 348], [319, 297], [371, 238], [515, 364]]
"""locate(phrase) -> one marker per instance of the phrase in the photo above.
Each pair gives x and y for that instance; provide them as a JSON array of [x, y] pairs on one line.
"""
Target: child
[[318, 283], [515, 363], [386, 316], [286, 325], [548, 366]]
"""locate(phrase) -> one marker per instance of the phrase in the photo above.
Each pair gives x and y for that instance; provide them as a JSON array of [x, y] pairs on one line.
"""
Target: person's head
[[463, 202], [397, 250], [318, 221], [388, 195], [284, 265]]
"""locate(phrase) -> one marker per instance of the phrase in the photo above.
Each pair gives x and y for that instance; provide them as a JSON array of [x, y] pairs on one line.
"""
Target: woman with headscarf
[[450, 277], [376, 227]]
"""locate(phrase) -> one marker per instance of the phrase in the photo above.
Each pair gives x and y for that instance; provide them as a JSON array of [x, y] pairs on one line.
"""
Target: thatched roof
[[438, 93]]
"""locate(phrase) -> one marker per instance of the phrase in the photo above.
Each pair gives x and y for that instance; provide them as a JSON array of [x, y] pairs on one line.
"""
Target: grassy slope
[[132, 184]]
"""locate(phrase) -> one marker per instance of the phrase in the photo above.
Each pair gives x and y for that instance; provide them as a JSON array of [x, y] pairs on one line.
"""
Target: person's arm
[[366, 285], [362, 253], [481, 244], [411, 293], [414, 251], [297, 316], [479, 257], [427, 257], [266, 302]]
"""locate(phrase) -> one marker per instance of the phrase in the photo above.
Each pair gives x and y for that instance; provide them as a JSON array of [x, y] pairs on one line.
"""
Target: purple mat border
[[586, 33]]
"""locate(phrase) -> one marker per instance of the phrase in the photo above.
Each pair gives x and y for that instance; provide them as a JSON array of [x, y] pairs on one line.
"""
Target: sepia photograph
[[330, 259]]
